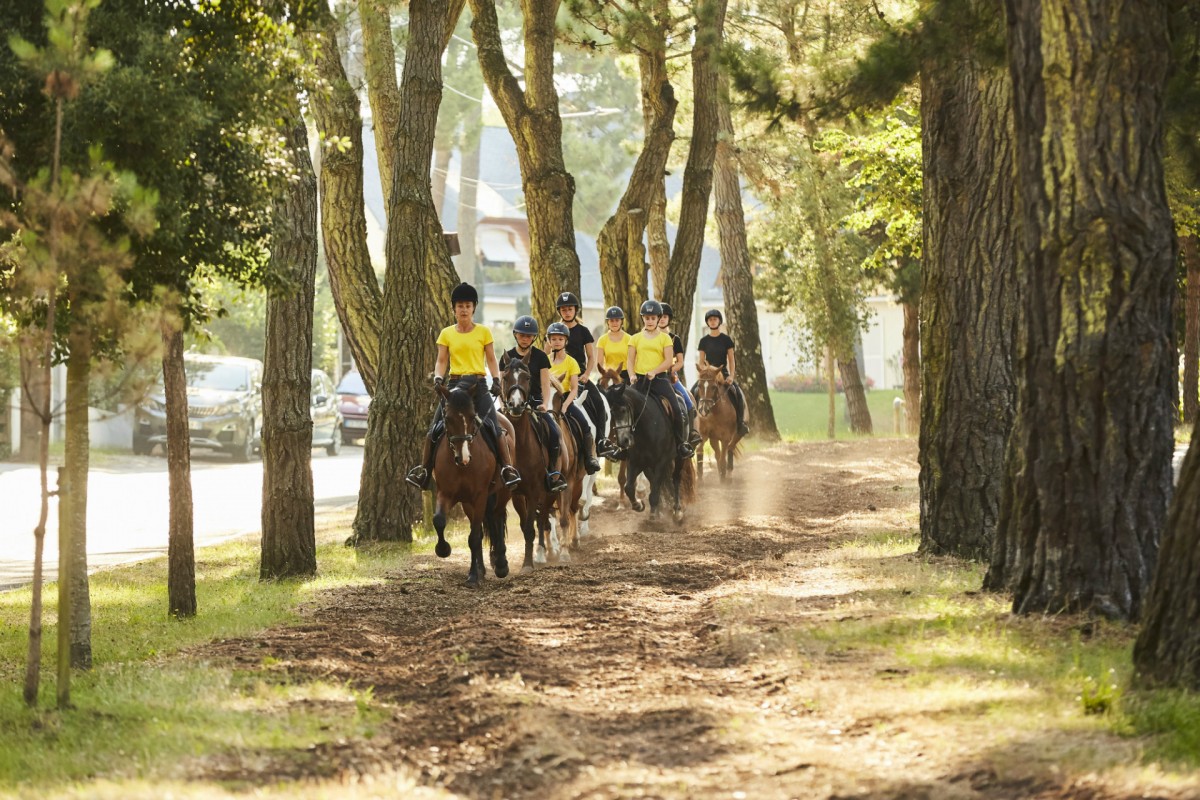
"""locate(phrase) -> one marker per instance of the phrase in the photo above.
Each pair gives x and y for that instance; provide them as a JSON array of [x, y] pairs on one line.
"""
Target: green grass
[[139, 715], [805, 416]]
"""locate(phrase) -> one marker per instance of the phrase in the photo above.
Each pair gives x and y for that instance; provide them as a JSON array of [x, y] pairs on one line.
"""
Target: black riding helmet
[[712, 312], [526, 324], [557, 328], [651, 308], [614, 312], [464, 293], [568, 299], [667, 311]]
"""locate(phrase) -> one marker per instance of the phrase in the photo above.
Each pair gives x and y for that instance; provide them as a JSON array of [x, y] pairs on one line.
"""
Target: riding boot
[[694, 438], [589, 452], [554, 478], [681, 429], [508, 473], [418, 476], [739, 405]]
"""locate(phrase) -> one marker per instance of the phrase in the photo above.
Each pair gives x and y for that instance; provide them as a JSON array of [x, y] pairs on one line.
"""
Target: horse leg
[[475, 541], [676, 480], [729, 448], [700, 460], [719, 457], [656, 495], [543, 521], [497, 550], [621, 475], [439, 524], [585, 511], [631, 490]]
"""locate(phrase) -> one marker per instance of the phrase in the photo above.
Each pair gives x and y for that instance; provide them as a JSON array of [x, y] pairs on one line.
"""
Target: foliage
[[809, 383]]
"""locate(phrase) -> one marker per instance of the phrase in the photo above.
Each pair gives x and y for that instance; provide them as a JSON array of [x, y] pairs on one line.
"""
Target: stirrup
[[418, 476], [605, 448], [685, 450], [510, 476], [695, 439], [555, 482]]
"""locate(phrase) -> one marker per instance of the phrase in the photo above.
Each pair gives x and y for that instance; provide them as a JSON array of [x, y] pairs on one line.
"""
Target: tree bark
[[911, 354], [441, 166], [383, 93], [181, 557], [417, 256], [1167, 652], [73, 550], [356, 292], [622, 254], [856, 395], [831, 421], [289, 546], [35, 389], [1089, 470], [737, 279], [1191, 341], [968, 304], [467, 263], [533, 120], [680, 287], [659, 249]]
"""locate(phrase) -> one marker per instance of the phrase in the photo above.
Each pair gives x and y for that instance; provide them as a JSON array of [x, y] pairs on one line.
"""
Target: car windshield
[[216, 375], [352, 383]]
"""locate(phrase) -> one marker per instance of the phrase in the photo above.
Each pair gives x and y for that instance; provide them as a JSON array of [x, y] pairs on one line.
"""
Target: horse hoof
[[564, 557], [472, 581], [678, 517], [638, 506], [539, 556], [442, 549], [527, 569], [501, 569]]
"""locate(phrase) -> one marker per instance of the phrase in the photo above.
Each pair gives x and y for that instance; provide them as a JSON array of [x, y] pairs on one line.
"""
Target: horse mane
[[459, 401]]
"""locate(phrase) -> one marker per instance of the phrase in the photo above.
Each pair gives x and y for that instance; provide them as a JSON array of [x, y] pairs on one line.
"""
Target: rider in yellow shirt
[[465, 349], [565, 372], [651, 357], [614, 345]]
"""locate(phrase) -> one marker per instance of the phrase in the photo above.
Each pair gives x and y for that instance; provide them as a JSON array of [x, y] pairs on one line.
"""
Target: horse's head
[[515, 385], [461, 425], [622, 414], [709, 387], [608, 378]]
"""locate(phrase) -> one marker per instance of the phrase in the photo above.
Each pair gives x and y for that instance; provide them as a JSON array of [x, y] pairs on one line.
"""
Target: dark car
[[354, 401], [224, 407], [326, 416]]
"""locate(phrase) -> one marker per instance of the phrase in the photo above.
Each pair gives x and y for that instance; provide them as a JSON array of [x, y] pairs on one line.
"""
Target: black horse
[[643, 431]]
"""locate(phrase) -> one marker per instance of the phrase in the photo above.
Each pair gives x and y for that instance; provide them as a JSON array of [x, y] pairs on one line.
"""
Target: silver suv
[[224, 407]]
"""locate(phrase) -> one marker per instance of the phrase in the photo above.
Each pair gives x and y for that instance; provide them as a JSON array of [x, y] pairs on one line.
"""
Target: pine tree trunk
[[181, 557], [289, 547], [533, 120], [441, 166], [680, 287], [417, 256], [1191, 342], [35, 388], [968, 304], [652, 69], [911, 354], [356, 293], [659, 246], [1167, 652], [622, 254], [737, 280], [379, 57], [856, 395], [1089, 470], [75, 460], [467, 262]]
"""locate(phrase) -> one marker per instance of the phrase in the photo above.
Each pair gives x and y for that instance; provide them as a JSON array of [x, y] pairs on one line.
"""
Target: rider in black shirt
[[716, 349], [524, 330], [676, 373], [581, 347]]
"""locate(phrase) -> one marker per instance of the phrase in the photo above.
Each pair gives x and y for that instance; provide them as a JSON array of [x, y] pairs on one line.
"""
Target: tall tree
[[417, 256], [968, 296], [289, 547], [684, 270], [1089, 469], [532, 117], [737, 279]]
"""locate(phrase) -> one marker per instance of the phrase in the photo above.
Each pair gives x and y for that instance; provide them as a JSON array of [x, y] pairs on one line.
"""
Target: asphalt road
[[128, 506]]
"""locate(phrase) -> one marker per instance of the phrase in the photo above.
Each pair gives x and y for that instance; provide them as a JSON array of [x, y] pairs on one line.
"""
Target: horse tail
[[687, 481]]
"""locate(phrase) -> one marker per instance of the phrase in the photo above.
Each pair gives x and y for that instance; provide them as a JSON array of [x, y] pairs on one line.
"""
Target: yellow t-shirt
[[615, 353], [651, 351], [466, 349], [564, 371]]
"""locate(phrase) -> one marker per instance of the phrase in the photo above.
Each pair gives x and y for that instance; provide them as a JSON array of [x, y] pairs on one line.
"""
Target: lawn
[[802, 415]]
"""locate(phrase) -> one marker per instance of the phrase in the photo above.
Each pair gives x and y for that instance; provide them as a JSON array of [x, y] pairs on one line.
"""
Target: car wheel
[[335, 444], [245, 452]]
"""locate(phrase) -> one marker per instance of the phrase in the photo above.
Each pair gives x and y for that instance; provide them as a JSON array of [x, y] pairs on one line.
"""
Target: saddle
[[566, 421]]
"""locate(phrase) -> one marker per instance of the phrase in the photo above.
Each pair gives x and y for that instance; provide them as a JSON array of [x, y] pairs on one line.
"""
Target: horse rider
[[464, 349], [716, 350], [581, 347], [565, 370], [664, 325], [614, 345], [524, 330], [650, 358]]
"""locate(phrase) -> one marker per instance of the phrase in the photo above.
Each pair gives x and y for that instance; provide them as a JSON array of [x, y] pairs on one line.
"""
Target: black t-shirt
[[677, 350], [580, 336], [716, 350], [537, 360]]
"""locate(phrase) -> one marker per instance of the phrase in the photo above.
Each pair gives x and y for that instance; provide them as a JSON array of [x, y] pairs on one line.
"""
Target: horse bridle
[[705, 407]]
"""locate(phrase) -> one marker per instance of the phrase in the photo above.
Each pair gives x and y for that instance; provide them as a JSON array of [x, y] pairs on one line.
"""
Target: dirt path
[[622, 675]]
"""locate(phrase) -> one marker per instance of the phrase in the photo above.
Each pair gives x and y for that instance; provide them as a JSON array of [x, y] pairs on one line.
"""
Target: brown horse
[[532, 500], [716, 420], [565, 535], [466, 471]]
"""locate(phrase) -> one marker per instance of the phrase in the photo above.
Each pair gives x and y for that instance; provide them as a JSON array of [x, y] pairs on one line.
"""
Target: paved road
[[127, 507]]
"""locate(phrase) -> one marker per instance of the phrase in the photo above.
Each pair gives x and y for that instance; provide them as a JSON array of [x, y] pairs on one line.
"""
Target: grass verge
[[803, 416]]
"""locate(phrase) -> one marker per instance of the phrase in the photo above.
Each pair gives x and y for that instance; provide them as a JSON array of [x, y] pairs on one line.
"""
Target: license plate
[[356, 423]]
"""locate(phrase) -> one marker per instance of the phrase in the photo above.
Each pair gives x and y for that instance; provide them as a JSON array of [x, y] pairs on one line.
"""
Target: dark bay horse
[[465, 471], [716, 420], [643, 430], [532, 500]]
